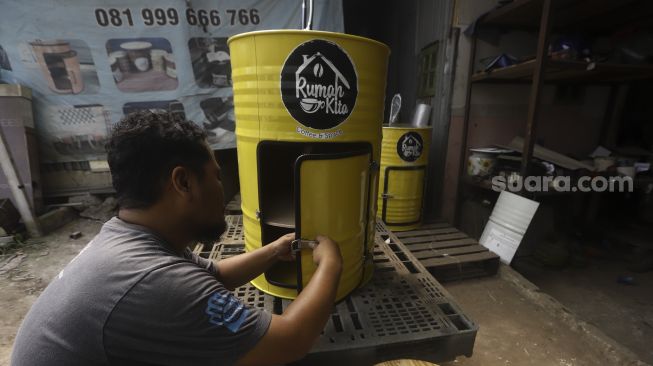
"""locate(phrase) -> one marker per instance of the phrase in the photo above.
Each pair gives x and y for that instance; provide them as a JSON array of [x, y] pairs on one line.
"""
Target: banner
[[91, 62]]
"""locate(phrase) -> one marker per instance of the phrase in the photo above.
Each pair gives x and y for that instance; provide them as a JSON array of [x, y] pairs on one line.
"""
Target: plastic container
[[510, 218]]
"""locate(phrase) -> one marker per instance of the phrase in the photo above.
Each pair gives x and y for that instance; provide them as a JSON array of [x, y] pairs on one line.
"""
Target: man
[[136, 294]]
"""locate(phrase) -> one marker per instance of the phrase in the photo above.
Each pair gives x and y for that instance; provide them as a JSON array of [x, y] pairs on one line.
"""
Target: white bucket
[[507, 225]]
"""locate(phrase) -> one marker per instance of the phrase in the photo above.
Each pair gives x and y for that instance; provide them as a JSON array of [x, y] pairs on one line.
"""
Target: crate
[[402, 313], [448, 253]]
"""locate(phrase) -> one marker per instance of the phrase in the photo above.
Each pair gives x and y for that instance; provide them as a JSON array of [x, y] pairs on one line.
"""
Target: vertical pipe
[[463, 144], [614, 110], [16, 188], [307, 19], [440, 137], [536, 87]]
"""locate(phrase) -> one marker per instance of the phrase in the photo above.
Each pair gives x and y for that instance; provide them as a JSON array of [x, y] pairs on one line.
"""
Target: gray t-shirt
[[128, 299]]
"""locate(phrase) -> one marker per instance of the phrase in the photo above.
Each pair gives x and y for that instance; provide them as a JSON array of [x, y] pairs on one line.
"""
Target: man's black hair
[[143, 149]]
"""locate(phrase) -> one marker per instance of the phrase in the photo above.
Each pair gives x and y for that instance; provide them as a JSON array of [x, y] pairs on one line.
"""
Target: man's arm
[[292, 334], [240, 269]]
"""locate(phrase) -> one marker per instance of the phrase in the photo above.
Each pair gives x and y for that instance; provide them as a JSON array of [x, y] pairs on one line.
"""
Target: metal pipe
[[307, 24], [17, 191], [303, 24], [463, 146], [536, 88]]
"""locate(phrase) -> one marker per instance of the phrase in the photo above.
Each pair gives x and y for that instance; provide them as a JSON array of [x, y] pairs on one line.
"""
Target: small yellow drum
[[404, 159]]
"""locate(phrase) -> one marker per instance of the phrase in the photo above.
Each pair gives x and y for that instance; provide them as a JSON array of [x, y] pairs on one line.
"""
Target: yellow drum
[[404, 158], [309, 111]]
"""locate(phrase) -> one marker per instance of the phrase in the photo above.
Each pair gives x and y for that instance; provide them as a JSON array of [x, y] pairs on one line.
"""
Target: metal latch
[[299, 244], [385, 195]]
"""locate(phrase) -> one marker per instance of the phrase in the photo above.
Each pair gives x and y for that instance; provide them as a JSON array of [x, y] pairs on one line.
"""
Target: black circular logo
[[409, 146], [319, 84]]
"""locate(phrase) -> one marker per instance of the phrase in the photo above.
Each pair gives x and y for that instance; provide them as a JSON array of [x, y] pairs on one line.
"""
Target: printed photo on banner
[[66, 66], [172, 106], [142, 64], [211, 62], [220, 122], [75, 132]]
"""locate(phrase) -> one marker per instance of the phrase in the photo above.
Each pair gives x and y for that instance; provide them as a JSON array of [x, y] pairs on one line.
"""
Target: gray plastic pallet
[[233, 207], [402, 313], [448, 253]]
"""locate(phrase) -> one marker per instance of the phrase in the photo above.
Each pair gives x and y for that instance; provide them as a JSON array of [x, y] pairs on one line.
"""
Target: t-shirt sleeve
[[181, 315], [207, 264]]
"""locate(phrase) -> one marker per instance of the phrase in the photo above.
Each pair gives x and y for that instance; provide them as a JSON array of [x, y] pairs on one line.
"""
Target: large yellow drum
[[404, 158], [309, 111]]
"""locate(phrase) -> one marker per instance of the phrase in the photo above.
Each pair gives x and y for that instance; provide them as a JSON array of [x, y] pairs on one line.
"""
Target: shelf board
[[591, 16], [277, 208], [279, 222], [486, 185], [478, 183], [517, 14], [282, 215], [566, 71]]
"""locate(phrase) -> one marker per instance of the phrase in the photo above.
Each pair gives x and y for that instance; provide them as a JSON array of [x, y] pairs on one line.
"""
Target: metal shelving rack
[[545, 16]]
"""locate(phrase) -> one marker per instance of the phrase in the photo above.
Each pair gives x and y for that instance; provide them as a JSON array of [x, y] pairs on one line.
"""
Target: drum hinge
[[374, 166]]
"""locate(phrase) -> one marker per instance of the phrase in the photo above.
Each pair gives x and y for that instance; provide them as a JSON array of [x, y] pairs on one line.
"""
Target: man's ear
[[181, 182]]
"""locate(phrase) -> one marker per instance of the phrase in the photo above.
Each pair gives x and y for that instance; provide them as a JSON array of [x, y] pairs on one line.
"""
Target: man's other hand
[[292, 334], [327, 251]]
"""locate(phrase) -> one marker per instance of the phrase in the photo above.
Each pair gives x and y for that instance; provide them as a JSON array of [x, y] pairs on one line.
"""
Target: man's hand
[[282, 247], [292, 334], [327, 251]]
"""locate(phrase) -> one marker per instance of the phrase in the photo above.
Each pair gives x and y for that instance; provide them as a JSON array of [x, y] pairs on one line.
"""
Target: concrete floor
[[519, 325], [623, 312], [29, 271]]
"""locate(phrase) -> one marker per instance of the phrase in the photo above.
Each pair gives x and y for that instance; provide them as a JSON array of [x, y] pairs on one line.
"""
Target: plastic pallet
[[448, 253], [198, 248], [402, 313], [233, 234], [233, 207]]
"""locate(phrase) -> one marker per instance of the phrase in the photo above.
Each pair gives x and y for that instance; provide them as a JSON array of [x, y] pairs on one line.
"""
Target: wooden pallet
[[403, 312], [448, 253]]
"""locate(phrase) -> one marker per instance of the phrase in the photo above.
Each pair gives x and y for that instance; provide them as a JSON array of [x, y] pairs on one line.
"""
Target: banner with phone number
[[91, 62]]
